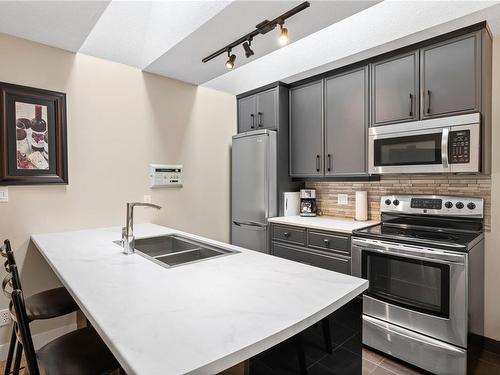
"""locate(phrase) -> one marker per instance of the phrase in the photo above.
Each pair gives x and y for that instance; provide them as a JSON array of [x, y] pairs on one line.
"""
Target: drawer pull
[[327, 242], [286, 234]]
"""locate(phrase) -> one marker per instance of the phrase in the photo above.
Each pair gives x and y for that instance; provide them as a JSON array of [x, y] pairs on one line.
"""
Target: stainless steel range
[[425, 264]]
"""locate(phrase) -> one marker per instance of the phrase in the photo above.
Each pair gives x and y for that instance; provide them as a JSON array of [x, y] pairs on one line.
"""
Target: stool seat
[[80, 352], [50, 304]]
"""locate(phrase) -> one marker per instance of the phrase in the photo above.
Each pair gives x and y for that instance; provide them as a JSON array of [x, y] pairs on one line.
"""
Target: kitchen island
[[198, 318]]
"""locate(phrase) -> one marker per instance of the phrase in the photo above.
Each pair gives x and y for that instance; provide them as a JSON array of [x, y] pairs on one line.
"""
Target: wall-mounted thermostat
[[165, 175]]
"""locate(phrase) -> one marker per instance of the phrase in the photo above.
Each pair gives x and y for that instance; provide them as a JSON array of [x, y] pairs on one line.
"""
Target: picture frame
[[33, 136]]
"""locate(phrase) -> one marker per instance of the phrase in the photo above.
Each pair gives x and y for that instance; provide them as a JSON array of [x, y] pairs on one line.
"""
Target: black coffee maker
[[308, 202]]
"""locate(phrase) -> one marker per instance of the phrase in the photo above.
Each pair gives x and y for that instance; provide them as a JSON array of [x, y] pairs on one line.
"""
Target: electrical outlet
[[4, 194], [147, 199], [342, 199], [4, 317]]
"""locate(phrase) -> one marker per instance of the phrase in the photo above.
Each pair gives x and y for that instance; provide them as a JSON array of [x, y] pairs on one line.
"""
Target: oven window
[[413, 150], [414, 284]]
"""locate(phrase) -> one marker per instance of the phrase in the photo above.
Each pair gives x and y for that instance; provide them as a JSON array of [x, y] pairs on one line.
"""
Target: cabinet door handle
[[329, 162], [253, 121], [428, 110], [260, 118], [317, 163], [410, 113]]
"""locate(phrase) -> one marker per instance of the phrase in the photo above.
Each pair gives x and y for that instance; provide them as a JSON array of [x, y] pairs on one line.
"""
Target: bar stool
[[80, 352], [44, 305]]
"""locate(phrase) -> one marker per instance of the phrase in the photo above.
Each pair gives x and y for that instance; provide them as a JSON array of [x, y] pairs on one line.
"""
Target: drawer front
[[289, 234], [332, 263], [328, 242]]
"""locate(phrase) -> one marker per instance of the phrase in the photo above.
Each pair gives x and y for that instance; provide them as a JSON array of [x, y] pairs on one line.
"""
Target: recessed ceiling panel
[[137, 32], [183, 61], [62, 24]]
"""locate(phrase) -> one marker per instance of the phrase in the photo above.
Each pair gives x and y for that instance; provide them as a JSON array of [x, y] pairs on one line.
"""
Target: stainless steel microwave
[[442, 145]]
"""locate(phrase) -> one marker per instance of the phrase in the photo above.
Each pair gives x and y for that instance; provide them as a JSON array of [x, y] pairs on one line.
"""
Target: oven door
[[422, 289], [419, 151]]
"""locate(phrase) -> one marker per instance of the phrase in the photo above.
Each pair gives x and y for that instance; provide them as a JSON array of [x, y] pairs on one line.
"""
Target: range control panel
[[165, 175], [459, 146], [433, 205]]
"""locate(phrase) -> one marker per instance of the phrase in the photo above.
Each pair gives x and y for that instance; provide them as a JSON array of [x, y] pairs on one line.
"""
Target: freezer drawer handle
[[249, 223]]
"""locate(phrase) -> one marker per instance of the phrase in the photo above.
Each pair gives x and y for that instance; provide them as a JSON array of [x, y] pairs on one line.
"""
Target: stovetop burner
[[410, 219]]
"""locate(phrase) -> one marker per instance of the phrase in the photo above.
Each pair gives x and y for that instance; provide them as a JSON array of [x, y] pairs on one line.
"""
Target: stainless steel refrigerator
[[254, 188]]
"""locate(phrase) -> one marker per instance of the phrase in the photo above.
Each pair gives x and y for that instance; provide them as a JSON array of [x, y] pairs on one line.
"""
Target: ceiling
[[183, 61], [171, 37]]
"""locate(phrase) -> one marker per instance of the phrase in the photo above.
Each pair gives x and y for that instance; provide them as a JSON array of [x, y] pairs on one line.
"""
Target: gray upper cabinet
[[395, 89], [451, 76], [267, 114], [258, 111], [247, 107], [306, 130], [346, 123]]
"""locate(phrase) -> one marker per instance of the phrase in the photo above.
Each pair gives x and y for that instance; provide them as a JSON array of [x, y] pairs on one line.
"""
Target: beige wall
[[119, 120], [492, 262]]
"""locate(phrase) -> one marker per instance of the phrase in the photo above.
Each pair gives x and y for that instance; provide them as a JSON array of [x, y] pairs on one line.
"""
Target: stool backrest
[[23, 332], [10, 265]]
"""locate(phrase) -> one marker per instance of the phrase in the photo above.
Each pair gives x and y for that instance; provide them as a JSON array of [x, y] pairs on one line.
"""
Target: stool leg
[[12, 346], [17, 361], [299, 345], [326, 334]]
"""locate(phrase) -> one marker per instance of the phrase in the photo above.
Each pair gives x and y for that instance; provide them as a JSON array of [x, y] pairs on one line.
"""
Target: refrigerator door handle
[[250, 224]]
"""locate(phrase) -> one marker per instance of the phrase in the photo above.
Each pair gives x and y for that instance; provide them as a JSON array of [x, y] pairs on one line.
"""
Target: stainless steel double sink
[[175, 250]]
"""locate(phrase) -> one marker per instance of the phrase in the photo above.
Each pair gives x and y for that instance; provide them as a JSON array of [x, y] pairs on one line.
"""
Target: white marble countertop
[[336, 224], [199, 318]]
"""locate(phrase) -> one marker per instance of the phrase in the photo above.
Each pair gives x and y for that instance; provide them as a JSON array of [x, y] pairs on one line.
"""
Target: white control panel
[[165, 175]]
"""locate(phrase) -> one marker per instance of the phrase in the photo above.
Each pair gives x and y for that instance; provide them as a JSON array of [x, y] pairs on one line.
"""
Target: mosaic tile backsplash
[[455, 185]]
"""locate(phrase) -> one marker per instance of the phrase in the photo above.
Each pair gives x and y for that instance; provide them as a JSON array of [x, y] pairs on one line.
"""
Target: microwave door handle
[[444, 147]]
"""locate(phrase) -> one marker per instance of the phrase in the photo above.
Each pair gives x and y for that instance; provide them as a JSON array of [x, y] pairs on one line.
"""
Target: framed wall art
[[32, 136]]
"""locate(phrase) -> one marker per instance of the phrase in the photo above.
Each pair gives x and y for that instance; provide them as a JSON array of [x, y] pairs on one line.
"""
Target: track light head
[[283, 38], [248, 51], [230, 61]]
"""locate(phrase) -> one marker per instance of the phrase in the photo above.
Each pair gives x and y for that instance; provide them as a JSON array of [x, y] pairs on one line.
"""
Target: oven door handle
[[444, 147], [407, 252]]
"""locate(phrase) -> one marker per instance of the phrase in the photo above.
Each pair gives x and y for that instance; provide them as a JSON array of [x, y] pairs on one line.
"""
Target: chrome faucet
[[128, 239]]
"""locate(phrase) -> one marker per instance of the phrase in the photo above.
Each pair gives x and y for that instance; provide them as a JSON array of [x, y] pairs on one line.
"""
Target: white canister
[[361, 206]]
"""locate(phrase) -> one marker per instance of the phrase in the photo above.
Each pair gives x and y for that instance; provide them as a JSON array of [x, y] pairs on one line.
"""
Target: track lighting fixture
[[248, 51], [230, 61], [283, 39], [262, 28]]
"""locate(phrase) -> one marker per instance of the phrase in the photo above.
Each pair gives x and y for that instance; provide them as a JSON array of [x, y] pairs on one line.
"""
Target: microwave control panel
[[459, 146], [165, 175]]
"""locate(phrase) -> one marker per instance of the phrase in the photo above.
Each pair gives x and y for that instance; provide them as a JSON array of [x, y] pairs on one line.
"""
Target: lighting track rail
[[262, 28]]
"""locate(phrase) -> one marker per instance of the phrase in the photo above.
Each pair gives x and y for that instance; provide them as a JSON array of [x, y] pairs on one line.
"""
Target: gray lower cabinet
[[328, 250], [451, 76], [306, 130], [258, 111], [395, 89], [346, 123]]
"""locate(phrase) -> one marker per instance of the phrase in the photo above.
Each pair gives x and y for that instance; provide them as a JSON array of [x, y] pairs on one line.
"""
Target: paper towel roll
[[361, 205]]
